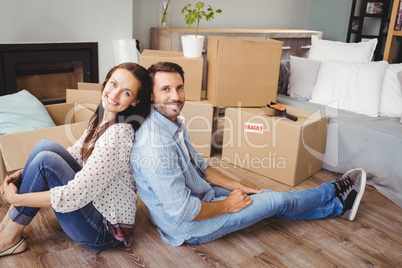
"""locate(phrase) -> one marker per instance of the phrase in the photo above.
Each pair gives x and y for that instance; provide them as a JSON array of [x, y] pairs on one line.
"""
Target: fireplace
[[47, 70]]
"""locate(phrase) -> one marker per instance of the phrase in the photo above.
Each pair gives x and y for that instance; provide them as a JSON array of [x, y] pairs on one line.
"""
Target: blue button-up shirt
[[170, 183]]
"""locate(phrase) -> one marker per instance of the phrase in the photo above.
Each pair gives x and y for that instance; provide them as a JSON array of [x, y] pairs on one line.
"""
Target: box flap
[[59, 111], [90, 86], [88, 98], [15, 148]]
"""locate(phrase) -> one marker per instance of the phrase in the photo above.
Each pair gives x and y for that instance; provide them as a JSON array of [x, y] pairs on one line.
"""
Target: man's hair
[[164, 66]]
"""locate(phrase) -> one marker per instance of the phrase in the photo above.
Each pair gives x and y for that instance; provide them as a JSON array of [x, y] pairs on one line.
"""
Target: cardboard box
[[276, 147], [192, 68], [89, 86], [242, 71], [71, 120], [89, 98], [198, 119]]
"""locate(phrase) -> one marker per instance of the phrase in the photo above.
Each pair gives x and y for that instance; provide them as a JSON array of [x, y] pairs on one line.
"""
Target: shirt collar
[[164, 123]]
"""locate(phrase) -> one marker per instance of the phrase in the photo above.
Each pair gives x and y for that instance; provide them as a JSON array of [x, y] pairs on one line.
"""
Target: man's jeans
[[295, 205], [50, 165]]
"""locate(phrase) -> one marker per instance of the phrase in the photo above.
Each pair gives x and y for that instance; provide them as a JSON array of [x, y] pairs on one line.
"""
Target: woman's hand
[[9, 191], [16, 176]]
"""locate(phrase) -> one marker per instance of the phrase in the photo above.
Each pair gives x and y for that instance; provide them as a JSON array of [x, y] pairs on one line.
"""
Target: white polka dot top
[[105, 179]]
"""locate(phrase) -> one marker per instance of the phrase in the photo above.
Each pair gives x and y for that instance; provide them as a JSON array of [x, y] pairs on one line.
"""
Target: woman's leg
[[52, 146], [306, 204], [85, 226], [38, 176]]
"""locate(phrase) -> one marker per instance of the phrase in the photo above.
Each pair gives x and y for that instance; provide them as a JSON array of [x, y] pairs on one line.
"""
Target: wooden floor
[[374, 239]]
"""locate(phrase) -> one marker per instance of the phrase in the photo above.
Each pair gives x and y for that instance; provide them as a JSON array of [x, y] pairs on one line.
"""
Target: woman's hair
[[132, 115]]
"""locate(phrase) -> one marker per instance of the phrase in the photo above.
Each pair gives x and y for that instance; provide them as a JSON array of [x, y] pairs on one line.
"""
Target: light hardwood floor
[[374, 239]]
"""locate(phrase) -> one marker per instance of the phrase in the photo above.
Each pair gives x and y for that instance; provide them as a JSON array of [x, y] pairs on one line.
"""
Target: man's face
[[168, 92]]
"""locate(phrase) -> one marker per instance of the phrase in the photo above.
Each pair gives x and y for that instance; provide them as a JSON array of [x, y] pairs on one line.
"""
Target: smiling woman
[[90, 184]]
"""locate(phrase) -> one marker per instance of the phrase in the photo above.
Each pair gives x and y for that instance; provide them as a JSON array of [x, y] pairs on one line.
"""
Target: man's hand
[[237, 200]]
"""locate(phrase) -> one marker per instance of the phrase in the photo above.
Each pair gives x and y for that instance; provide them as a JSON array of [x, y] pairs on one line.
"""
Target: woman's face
[[120, 91]]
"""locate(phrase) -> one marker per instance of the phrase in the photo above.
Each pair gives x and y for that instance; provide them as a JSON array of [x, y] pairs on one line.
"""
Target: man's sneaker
[[349, 189]]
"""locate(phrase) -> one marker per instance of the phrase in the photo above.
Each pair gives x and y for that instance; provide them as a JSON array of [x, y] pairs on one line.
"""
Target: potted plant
[[193, 44]]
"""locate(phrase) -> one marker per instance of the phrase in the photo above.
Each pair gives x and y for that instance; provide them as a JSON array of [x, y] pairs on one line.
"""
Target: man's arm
[[217, 178], [237, 200]]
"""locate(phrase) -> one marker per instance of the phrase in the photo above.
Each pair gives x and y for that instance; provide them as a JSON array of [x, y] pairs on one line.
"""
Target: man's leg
[[317, 203], [328, 200]]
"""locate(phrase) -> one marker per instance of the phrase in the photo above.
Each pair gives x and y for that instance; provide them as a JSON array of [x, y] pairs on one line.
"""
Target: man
[[189, 201]]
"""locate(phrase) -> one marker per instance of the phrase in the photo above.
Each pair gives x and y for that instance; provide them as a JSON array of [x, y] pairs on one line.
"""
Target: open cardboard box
[[87, 94], [71, 120], [88, 98], [275, 147]]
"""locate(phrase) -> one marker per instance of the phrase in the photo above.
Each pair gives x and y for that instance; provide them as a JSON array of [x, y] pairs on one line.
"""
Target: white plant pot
[[192, 46]]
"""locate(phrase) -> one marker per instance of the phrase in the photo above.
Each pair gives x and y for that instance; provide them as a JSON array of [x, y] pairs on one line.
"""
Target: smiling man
[[190, 201]]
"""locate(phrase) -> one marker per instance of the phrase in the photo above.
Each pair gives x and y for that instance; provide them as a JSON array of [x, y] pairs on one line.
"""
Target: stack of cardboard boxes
[[242, 77]]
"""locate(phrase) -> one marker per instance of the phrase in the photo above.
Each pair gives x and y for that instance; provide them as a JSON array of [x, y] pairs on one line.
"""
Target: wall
[[331, 17], [236, 13], [42, 21]]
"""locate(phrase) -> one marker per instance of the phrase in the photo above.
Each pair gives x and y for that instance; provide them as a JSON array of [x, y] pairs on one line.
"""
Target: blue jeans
[[50, 165], [295, 205]]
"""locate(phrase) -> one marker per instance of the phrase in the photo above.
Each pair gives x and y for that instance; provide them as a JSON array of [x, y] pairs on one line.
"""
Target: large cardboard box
[[71, 120], [192, 68], [276, 147], [198, 119], [242, 71]]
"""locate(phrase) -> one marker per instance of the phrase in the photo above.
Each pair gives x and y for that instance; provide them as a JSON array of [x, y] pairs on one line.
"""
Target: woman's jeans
[[295, 205], [50, 165]]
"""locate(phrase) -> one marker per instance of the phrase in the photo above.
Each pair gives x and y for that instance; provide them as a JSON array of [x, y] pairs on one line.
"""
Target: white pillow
[[391, 94], [302, 77], [22, 111], [352, 86], [334, 50]]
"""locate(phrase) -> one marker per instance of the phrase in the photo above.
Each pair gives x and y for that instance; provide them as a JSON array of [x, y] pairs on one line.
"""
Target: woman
[[90, 185]]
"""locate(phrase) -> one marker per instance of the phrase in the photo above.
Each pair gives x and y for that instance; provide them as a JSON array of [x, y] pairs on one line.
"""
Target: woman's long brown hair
[[132, 115]]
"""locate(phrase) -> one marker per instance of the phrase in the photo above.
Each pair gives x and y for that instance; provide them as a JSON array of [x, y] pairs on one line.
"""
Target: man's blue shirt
[[169, 182]]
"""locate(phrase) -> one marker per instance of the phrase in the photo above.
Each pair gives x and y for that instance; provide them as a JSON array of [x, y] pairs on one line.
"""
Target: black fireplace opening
[[47, 70]]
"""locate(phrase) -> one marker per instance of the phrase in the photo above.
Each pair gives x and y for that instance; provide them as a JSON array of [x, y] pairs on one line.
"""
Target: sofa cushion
[[391, 94], [22, 111], [302, 78], [351, 86], [335, 50]]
